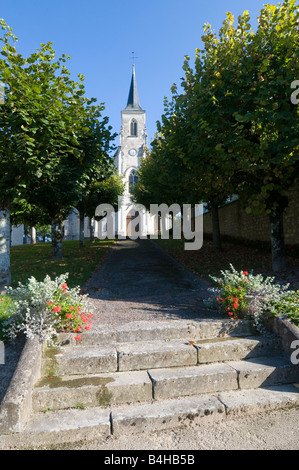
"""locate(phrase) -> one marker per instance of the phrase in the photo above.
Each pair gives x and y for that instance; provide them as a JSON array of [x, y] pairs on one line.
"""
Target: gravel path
[[275, 430], [140, 281]]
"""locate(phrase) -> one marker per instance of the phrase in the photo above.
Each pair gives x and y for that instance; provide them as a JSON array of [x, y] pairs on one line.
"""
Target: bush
[[237, 292], [45, 308]]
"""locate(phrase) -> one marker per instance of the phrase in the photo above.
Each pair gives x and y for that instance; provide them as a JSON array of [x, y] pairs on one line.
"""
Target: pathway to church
[[139, 281]]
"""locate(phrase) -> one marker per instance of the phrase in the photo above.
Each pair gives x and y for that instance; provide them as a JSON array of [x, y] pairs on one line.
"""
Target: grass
[[208, 262], [36, 261]]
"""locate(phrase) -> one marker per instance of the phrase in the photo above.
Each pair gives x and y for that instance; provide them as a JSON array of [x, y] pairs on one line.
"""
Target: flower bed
[[46, 308], [241, 293]]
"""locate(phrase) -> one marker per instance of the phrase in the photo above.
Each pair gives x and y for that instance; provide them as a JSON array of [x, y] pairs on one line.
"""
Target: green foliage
[[260, 295], [45, 308], [233, 129], [288, 306]]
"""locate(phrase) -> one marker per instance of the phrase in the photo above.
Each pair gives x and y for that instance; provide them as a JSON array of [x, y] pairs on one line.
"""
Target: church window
[[133, 128], [133, 178]]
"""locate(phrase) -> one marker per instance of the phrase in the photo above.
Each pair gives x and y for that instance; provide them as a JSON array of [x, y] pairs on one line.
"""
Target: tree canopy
[[234, 129]]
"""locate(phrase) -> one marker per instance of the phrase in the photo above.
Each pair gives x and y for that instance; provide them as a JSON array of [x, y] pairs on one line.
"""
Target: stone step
[[217, 377], [153, 331], [138, 386], [92, 390], [65, 426], [152, 354]]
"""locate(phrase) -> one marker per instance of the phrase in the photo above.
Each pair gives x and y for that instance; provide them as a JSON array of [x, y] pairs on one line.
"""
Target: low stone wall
[[237, 224], [16, 406]]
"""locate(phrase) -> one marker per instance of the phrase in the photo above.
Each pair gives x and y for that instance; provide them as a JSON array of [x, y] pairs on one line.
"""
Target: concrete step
[[139, 386], [92, 390], [65, 426], [217, 377], [152, 354], [154, 331]]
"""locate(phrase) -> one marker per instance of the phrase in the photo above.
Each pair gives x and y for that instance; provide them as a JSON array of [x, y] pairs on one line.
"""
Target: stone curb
[[287, 331], [16, 406]]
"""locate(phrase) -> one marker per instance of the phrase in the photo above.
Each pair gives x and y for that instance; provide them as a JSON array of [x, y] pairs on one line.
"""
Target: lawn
[[207, 261], [36, 261]]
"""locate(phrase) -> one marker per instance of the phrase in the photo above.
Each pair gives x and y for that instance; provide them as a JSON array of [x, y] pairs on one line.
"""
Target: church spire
[[133, 99]]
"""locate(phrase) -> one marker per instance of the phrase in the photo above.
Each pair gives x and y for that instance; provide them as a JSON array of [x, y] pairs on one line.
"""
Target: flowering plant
[[237, 291], [45, 308]]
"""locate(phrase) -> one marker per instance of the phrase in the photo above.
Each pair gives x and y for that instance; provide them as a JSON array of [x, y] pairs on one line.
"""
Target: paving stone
[[184, 381], [92, 390], [230, 349], [166, 414], [260, 399], [265, 371], [145, 355], [80, 360]]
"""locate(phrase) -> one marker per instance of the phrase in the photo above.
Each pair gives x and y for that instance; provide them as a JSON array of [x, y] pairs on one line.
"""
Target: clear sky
[[100, 37]]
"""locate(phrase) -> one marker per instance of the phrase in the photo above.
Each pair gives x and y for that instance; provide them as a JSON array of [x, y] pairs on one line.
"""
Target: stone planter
[[246, 313]]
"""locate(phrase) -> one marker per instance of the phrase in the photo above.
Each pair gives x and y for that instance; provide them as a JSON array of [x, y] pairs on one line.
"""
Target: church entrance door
[[133, 224]]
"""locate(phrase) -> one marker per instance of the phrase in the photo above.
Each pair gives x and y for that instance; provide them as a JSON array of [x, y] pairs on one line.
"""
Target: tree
[[234, 129], [40, 121], [95, 144], [252, 76]]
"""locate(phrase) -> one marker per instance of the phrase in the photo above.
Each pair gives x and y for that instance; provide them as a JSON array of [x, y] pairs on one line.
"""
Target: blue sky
[[100, 37]]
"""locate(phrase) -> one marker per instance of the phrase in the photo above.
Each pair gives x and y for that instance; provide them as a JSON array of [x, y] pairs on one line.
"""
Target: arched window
[[133, 128], [133, 178]]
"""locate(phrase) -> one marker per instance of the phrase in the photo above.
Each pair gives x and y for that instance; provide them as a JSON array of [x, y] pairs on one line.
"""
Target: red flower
[[69, 315], [230, 313], [57, 309], [64, 286], [77, 337], [87, 327], [245, 273]]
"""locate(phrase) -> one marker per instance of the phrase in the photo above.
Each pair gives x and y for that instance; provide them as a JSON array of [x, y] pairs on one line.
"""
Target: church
[[132, 218]]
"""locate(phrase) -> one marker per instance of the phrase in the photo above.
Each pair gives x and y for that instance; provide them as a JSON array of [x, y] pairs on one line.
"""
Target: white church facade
[[132, 218]]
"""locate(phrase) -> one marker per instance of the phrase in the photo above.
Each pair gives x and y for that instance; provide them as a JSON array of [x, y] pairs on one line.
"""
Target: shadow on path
[[141, 273]]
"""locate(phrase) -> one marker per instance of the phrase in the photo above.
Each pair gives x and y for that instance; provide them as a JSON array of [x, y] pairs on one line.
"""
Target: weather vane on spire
[[133, 57]]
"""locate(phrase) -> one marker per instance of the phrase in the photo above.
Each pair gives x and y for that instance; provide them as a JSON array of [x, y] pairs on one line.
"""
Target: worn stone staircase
[[150, 376]]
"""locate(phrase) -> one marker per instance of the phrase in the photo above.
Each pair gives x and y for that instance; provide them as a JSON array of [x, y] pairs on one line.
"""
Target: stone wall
[[237, 224]]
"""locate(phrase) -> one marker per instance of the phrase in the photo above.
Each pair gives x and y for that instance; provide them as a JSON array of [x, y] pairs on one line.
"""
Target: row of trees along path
[[234, 129], [54, 146]]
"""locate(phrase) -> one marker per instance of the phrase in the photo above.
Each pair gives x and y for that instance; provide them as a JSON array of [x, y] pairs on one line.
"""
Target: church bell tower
[[132, 138]]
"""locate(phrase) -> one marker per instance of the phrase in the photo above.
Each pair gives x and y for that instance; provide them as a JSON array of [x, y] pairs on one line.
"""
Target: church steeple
[[133, 99]]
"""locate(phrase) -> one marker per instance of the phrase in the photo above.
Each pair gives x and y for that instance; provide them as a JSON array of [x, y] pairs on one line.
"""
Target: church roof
[[133, 99]]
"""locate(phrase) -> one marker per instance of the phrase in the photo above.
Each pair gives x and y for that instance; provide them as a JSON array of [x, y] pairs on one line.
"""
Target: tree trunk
[[32, 235], [91, 229], [277, 241], [57, 236], [81, 230], [216, 227], [5, 274]]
